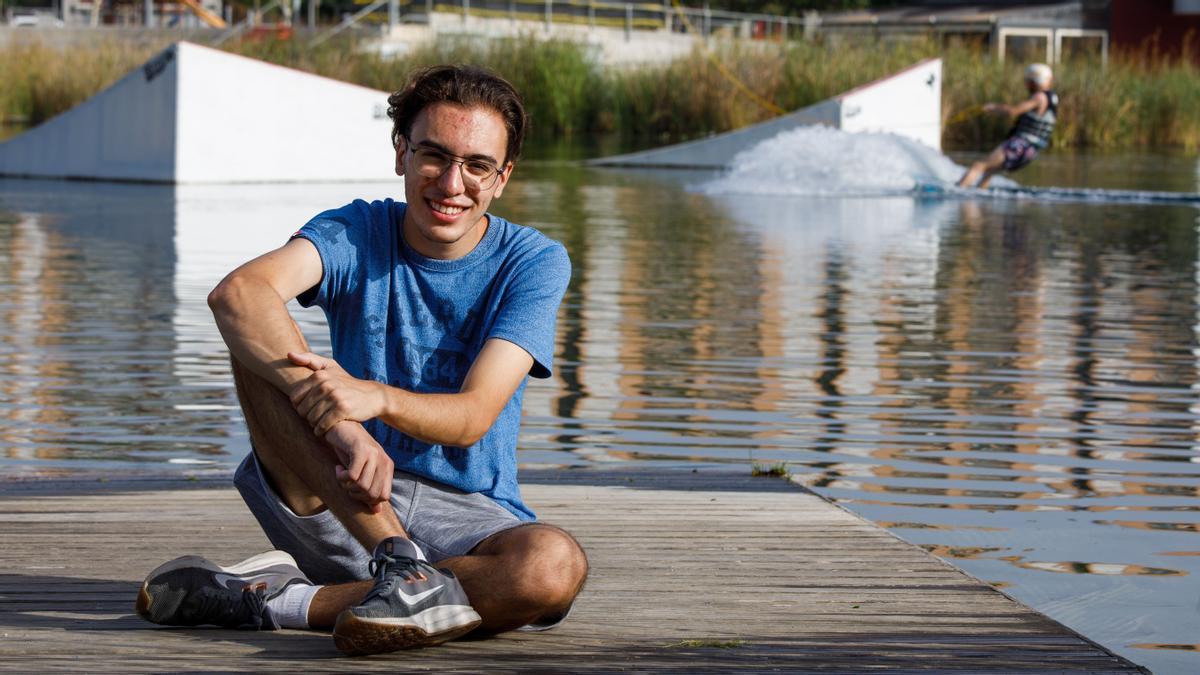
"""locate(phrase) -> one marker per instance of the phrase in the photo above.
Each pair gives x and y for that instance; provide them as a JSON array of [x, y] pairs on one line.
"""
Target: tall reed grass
[[1135, 101], [559, 80], [38, 81]]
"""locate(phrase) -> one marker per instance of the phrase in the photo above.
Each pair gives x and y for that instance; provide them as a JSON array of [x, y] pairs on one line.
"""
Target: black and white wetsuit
[[1030, 134]]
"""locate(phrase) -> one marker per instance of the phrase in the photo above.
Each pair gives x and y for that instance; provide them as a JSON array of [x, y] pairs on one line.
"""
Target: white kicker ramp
[[193, 114], [908, 103]]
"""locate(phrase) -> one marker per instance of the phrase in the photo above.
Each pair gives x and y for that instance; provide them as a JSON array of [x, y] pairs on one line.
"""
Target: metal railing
[[630, 16], [252, 19], [349, 21]]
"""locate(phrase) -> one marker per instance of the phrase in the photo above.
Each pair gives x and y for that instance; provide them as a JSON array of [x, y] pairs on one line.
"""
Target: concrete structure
[[611, 45], [908, 104], [193, 114]]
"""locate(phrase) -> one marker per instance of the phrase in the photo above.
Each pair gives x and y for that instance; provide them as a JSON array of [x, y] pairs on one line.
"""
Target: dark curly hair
[[469, 86]]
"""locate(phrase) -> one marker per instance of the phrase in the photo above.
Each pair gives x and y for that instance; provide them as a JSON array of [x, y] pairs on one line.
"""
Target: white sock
[[290, 607]]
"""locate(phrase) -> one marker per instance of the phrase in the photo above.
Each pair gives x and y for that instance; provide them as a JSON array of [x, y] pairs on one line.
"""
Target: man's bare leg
[[300, 466], [528, 574], [301, 469], [984, 168], [525, 575], [512, 578]]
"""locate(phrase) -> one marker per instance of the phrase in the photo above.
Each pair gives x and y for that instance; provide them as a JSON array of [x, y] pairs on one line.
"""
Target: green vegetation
[[1134, 102], [707, 642], [778, 469], [38, 81]]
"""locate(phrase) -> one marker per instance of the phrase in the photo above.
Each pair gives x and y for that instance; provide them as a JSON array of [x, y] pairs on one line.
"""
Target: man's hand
[[331, 395], [364, 470]]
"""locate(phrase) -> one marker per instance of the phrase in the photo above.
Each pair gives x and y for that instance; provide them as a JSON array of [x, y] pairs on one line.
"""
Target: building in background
[[1168, 27], [1022, 30]]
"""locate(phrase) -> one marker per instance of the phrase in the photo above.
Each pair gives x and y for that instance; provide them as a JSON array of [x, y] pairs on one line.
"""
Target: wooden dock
[[709, 571]]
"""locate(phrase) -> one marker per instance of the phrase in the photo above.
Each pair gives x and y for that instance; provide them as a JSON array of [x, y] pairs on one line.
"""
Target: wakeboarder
[[1035, 119]]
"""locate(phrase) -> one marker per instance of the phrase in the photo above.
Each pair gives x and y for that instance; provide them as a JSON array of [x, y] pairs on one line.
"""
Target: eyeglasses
[[477, 174]]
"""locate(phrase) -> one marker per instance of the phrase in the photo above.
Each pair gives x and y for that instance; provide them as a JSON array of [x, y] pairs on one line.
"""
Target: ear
[[503, 180], [401, 149]]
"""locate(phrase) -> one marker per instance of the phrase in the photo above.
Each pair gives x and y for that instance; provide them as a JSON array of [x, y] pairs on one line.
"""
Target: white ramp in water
[[193, 114], [908, 104]]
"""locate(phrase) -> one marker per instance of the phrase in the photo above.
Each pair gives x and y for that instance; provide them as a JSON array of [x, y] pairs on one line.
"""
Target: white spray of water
[[818, 160]]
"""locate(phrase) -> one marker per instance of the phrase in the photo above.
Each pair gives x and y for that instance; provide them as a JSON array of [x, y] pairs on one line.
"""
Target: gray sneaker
[[193, 591], [413, 604]]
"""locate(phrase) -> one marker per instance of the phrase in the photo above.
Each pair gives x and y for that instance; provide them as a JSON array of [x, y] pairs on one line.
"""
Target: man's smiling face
[[446, 216]]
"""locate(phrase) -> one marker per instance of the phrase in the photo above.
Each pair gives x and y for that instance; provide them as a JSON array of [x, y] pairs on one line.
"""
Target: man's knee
[[551, 567]]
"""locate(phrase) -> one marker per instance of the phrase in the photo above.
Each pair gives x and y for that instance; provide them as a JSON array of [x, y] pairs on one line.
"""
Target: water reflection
[[1000, 374], [1009, 384], [110, 355], [1184, 648], [85, 294], [1107, 569]]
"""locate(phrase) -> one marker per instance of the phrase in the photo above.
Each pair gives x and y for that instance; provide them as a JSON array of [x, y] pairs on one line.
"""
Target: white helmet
[[1039, 74]]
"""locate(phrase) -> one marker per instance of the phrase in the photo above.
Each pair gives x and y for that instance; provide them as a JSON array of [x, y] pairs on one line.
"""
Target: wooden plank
[[705, 571]]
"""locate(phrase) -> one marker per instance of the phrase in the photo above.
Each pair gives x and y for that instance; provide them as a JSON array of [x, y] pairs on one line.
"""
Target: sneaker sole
[[146, 606], [360, 637]]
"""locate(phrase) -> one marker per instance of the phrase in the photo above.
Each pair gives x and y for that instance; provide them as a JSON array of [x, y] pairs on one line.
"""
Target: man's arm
[[250, 307], [459, 419]]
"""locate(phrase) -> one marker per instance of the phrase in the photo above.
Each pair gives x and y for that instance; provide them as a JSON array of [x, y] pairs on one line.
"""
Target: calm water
[[1012, 385]]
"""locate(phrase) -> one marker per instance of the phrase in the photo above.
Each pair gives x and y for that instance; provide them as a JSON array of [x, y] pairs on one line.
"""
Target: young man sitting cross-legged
[[386, 475]]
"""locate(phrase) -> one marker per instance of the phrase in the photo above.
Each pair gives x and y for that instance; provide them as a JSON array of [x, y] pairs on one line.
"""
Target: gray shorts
[[443, 521]]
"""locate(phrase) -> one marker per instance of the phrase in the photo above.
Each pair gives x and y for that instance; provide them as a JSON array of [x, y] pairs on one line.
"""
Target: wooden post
[[628, 22]]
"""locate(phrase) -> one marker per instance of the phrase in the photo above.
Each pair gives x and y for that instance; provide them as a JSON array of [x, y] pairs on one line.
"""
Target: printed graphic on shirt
[[397, 441], [434, 369]]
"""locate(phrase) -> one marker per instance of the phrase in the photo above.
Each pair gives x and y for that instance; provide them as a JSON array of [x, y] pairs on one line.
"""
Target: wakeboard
[[935, 189]]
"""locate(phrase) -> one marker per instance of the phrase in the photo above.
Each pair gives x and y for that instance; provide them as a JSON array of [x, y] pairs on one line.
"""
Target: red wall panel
[[1139, 24]]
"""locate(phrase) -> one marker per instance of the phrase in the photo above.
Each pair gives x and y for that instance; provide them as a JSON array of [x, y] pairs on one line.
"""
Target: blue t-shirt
[[418, 323]]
